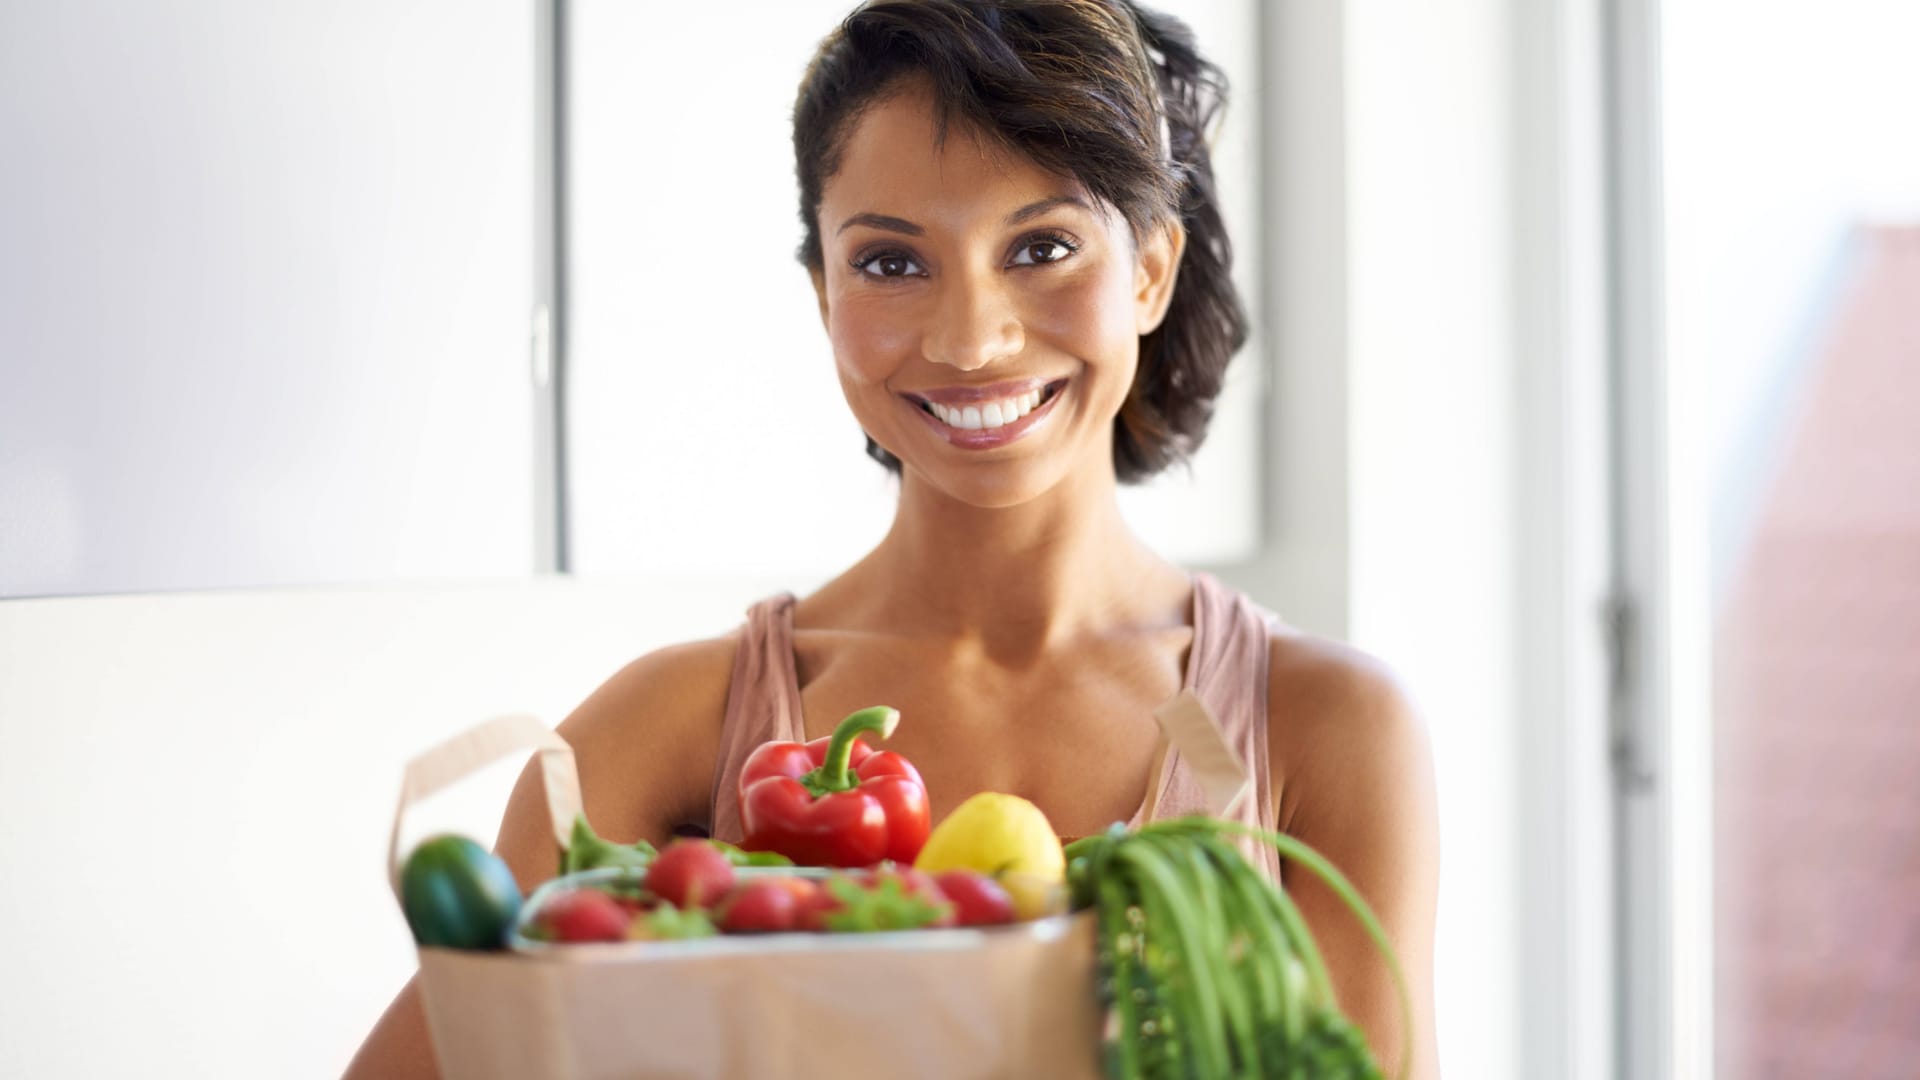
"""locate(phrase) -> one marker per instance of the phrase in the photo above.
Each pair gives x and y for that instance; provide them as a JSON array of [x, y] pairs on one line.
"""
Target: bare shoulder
[[1353, 772], [646, 743], [1338, 717], [671, 697]]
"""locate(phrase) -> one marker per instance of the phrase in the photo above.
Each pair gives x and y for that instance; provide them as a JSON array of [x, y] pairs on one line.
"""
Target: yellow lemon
[[1005, 836], [1035, 896]]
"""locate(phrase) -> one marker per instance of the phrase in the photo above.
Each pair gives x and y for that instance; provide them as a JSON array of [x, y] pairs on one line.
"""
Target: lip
[[973, 395], [988, 438]]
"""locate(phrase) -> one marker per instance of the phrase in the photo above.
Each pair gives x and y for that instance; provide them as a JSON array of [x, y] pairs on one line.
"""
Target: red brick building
[[1818, 713]]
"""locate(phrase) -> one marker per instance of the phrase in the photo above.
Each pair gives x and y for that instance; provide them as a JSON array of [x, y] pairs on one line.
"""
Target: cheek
[[870, 340], [1092, 314], [1092, 321]]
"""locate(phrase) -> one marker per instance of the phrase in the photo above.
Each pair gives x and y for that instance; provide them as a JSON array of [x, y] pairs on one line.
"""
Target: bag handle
[[480, 746], [1191, 728]]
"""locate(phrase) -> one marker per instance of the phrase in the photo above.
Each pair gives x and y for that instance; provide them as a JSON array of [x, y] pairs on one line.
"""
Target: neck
[[1019, 579]]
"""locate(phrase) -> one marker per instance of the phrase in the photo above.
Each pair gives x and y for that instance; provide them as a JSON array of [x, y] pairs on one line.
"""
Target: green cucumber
[[457, 894]]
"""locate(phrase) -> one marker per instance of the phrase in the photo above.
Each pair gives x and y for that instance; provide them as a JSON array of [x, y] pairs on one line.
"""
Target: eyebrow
[[901, 225]]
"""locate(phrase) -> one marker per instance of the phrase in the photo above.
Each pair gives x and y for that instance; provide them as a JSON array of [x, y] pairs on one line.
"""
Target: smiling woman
[[964, 280], [1102, 114], [1020, 265]]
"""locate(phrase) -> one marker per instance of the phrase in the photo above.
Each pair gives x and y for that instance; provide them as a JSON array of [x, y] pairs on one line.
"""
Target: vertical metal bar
[[547, 330], [1269, 163], [1656, 998], [1634, 1009]]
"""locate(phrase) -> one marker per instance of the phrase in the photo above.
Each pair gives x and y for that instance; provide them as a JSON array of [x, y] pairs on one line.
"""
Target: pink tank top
[[1226, 668]]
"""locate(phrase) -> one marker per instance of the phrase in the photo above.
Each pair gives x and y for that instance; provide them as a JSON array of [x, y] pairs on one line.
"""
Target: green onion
[[1208, 968]]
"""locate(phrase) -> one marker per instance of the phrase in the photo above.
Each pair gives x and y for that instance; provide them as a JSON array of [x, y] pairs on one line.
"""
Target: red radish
[[584, 915], [917, 883], [900, 897], [690, 874], [762, 906], [805, 892], [811, 905], [978, 900]]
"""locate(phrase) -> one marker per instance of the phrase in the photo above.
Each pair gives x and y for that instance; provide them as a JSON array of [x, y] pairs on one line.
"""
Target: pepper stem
[[832, 775]]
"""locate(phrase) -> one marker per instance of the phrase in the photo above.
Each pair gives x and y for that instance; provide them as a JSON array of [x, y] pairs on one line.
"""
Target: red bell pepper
[[835, 801]]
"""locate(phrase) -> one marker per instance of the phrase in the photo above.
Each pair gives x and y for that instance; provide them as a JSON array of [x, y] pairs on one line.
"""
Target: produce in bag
[[1008, 839], [835, 801], [1203, 966], [1207, 967], [457, 894]]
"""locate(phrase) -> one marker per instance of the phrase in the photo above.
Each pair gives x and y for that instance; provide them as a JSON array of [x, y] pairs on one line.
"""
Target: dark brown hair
[[1081, 88]]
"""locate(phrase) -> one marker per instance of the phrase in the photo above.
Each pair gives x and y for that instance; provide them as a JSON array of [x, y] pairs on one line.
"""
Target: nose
[[974, 324]]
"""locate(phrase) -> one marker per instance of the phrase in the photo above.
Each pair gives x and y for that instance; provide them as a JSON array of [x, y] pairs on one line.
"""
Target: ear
[[820, 292], [1155, 272]]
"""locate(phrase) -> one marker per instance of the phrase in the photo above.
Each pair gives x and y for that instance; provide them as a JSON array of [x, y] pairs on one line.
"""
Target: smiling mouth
[[988, 415]]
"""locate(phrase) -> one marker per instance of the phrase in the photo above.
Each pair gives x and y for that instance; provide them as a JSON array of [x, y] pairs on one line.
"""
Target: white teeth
[[993, 414]]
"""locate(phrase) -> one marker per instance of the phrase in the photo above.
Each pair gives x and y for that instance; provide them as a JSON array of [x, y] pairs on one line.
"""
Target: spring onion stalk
[[1208, 968]]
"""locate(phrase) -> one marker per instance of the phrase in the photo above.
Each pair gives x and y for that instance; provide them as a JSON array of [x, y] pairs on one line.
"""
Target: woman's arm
[[646, 744], [1354, 773]]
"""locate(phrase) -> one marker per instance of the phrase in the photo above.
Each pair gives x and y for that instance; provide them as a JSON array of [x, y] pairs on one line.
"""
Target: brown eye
[[886, 264], [1042, 250]]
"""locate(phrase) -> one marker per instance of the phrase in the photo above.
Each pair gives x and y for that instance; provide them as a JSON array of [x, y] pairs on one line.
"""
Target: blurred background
[[373, 368]]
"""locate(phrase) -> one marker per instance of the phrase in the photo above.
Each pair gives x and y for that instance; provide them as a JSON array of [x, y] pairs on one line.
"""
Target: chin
[[990, 487]]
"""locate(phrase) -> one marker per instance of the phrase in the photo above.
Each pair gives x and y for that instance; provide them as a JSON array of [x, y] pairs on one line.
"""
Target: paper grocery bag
[[1014, 1001]]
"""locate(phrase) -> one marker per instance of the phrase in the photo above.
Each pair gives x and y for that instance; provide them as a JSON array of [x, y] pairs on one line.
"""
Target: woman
[[1011, 229]]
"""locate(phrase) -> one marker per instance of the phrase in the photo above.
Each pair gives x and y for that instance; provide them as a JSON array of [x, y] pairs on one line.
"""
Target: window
[[1793, 290]]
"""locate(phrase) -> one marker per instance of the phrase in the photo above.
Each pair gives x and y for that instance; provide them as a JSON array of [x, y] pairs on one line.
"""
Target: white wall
[[195, 792], [231, 232], [1432, 414], [1396, 436]]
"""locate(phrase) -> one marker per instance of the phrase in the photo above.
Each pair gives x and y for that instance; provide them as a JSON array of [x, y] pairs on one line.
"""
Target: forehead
[[890, 164]]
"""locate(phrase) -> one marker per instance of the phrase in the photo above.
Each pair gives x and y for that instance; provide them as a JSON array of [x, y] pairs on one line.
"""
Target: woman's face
[[985, 314]]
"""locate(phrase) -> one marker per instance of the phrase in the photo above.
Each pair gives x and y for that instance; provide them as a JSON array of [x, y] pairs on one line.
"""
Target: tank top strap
[[763, 705], [1227, 671]]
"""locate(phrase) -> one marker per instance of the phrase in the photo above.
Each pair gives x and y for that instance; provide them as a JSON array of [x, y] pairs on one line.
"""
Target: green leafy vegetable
[[750, 858], [1207, 967], [669, 923], [587, 851], [879, 901]]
